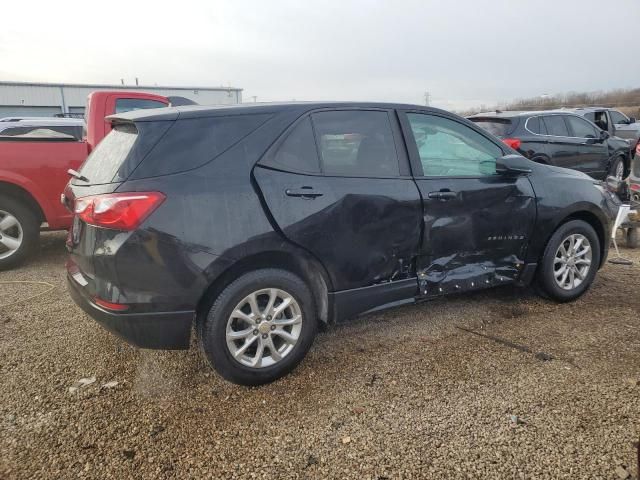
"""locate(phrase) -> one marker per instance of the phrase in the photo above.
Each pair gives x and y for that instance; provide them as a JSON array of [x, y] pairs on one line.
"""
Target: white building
[[48, 99]]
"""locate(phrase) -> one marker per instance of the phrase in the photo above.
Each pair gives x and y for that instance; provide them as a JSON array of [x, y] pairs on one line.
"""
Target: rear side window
[[356, 143], [190, 143], [129, 104], [555, 125], [500, 127], [298, 151]]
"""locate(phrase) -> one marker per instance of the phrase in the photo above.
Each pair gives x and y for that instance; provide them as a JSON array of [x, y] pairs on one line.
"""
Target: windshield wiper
[[77, 175]]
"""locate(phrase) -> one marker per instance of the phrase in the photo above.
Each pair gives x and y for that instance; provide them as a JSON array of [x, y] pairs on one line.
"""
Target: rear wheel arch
[[308, 269], [23, 196]]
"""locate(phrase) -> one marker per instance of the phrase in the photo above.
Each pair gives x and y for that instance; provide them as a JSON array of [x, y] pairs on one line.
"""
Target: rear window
[[500, 127], [105, 160]]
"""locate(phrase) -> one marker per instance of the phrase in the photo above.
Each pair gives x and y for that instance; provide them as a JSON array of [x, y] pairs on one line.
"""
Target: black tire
[[614, 167], [30, 226], [545, 277], [213, 333], [632, 237]]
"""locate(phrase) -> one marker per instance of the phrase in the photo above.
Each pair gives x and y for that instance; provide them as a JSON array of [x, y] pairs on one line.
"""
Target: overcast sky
[[463, 52]]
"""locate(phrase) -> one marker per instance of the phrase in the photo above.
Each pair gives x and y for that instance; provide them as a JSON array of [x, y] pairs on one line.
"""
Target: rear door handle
[[303, 192], [442, 195]]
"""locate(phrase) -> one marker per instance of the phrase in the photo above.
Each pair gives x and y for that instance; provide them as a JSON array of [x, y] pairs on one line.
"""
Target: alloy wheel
[[11, 234], [572, 261], [619, 173], [264, 327]]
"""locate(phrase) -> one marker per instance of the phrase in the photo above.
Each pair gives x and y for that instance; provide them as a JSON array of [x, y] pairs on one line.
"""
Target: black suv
[[256, 223], [560, 138]]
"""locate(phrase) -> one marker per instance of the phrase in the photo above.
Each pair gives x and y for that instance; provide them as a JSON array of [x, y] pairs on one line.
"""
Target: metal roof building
[[49, 99]]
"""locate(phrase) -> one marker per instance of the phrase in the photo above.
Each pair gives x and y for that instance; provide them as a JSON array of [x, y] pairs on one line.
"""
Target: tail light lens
[[512, 142], [118, 211]]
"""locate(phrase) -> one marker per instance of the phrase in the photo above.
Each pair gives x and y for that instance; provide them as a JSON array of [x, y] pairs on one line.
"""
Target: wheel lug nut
[[255, 332], [264, 336], [273, 327], [269, 317]]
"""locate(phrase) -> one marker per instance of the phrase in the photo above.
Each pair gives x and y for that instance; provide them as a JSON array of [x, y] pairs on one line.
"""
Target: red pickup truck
[[33, 172]]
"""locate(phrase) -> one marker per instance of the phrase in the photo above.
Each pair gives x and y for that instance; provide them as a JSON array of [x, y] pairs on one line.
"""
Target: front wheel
[[19, 232], [570, 261], [260, 327]]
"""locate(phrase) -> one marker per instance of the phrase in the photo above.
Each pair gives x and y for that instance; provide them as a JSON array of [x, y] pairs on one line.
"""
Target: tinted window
[[128, 104], [298, 151], [591, 116], [448, 148], [500, 127], [190, 143], [581, 128], [618, 118], [533, 125], [103, 163], [356, 143], [555, 125]]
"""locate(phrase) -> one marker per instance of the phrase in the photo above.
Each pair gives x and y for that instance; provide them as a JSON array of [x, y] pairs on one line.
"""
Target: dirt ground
[[498, 384]]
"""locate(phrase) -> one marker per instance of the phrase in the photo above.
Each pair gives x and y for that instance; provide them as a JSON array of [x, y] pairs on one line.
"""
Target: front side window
[[449, 149], [618, 118], [128, 104], [555, 125], [581, 128], [356, 143]]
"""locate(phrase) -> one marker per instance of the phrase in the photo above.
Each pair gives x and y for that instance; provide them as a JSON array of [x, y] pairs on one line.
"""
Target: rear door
[[338, 184], [477, 223], [593, 157]]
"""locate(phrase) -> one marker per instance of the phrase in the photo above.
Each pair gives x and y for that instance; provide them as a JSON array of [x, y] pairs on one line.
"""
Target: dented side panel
[[478, 237]]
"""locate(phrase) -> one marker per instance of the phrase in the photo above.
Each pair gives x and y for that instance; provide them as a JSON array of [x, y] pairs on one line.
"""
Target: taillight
[[512, 142], [118, 211], [117, 307]]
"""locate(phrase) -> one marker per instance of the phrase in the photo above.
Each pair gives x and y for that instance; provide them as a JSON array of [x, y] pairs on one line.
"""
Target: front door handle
[[442, 195], [303, 192]]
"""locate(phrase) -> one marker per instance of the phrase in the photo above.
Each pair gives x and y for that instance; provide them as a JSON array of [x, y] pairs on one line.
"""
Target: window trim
[[404, 162], [414, 155], [569, 130]]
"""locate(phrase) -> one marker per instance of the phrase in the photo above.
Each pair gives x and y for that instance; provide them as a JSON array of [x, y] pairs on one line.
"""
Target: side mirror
[[632, 120], [604, 135], [513, 165]]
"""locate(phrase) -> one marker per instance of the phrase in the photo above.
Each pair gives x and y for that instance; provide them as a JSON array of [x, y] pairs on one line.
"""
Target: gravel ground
[[497, 384]]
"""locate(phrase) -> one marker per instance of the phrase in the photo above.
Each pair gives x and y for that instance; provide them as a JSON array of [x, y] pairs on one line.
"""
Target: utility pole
[[255, 98], [427, 98]]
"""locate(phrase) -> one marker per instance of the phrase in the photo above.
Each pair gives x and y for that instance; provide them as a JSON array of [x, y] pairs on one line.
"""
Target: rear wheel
[[570, 261], [632, 237], [260, 327], [19, 232], [617, 169]]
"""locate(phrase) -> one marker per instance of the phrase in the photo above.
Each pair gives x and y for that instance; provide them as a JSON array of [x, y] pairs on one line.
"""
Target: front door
[[477, 223], [593, 154], [339, 185]]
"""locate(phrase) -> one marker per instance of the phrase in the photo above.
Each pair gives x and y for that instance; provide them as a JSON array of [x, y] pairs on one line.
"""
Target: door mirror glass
[[513, 165]]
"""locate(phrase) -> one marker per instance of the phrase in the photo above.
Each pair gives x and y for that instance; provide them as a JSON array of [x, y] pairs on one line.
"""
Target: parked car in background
[[257, 222], [43, 128], [612, 121], [560, 138], [34, 160]]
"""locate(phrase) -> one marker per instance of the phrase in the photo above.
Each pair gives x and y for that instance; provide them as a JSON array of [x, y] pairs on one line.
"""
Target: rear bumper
[[157, 330]]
